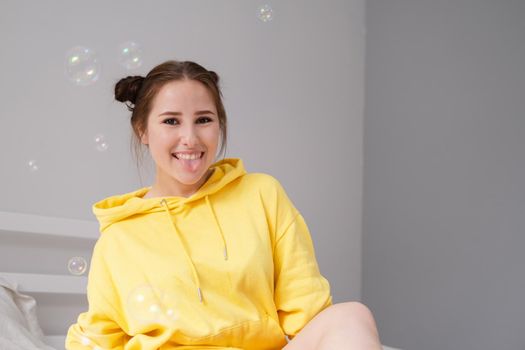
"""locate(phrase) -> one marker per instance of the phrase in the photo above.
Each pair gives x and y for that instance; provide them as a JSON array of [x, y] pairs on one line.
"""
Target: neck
[[168, 188]]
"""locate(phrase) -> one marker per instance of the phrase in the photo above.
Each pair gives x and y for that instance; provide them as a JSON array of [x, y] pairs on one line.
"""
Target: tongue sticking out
[[190, 164]]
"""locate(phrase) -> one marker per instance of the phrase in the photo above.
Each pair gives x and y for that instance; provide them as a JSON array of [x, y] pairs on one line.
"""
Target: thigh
[[336, 319], [309, 337]]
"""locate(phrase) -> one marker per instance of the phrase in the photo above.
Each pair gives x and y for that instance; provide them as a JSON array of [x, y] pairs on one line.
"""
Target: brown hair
[[140, 91]]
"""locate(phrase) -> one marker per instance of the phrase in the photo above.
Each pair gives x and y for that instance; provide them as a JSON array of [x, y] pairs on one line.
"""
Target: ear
[[144, 138]]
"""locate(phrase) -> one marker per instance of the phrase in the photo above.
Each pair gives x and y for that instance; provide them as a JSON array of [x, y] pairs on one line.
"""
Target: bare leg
[[347, 325]]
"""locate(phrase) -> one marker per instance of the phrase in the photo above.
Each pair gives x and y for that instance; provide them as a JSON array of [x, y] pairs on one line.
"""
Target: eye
[[205, 119], [165, 120]]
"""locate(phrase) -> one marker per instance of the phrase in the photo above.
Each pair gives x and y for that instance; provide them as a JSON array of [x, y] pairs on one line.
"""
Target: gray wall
[[444, 170], [293, 91]]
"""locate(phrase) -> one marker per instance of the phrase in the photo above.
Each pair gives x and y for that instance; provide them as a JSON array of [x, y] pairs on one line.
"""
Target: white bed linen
[[19, 328]]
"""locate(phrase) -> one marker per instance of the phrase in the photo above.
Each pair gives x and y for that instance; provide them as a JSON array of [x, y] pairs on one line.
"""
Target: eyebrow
[[179, 113]]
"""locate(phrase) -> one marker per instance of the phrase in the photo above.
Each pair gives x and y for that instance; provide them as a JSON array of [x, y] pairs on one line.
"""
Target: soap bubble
[[33, 166], [265, 13], [170, 313], [147, 305], [77, 265], [82, 65], [154, 308], [170, 306], [144, 304], [100, 143], [130, 55]]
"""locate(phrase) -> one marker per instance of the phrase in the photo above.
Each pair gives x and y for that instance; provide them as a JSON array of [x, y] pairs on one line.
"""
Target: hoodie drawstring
[[193, 269]]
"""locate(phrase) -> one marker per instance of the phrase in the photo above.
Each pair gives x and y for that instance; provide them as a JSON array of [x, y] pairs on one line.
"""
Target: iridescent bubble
[[170, 313], [102, 146], [101, 143], [77, 265], [82, 65], [144, 304], [265, 13], [130, 55], [85, 340], [170, 306], [147, 304], [154, 308], [33, 166]]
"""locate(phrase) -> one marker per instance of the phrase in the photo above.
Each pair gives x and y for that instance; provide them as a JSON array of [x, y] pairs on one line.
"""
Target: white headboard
[[34, 254]]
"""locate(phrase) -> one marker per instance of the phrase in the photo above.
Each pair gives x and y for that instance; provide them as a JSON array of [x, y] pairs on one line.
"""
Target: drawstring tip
[[225, 254], [200, 294]]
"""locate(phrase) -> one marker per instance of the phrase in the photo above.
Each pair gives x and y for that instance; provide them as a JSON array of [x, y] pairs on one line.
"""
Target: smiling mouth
[[184, 157]]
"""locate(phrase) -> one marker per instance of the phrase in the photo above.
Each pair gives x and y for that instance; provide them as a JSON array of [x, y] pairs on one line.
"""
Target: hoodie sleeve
[[301, 292], [98, 326]]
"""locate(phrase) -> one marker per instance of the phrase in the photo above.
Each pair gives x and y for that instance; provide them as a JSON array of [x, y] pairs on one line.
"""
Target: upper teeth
[[188, 156]]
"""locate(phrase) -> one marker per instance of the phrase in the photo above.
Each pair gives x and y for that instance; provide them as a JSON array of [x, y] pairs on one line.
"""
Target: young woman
[[210, 256]]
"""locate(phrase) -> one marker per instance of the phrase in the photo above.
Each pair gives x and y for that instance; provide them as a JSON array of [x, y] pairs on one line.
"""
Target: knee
[[352, 312], [352, 321]]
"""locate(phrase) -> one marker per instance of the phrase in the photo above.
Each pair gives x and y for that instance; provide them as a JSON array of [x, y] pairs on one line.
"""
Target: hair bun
[[127, 89]]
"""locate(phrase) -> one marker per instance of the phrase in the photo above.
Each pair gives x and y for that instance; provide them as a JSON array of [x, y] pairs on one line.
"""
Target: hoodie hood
[[116, 208]]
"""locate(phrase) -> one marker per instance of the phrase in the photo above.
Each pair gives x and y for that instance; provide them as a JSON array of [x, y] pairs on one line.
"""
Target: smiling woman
[[209, 256]]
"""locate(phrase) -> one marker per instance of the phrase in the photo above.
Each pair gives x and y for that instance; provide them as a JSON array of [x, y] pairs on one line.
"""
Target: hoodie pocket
[[263, 334]]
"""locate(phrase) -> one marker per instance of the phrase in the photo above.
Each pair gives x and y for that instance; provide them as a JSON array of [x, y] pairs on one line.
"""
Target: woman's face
[[183, 134]]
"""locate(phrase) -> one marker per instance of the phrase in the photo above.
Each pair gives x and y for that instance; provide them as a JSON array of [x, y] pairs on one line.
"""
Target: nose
[[189, 136]]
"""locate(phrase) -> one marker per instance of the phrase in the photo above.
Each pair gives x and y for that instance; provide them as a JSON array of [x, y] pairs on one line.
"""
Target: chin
[[190, 180]]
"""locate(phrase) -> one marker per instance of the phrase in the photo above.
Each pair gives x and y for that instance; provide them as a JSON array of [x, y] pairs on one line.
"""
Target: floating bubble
[[101, 143], [85, 340], [154, 308], [170, 306], [102, 146], [146, 305], [82, 65], [170, 313], [265, 13], [130, 55], [77, 265], [33, 166]]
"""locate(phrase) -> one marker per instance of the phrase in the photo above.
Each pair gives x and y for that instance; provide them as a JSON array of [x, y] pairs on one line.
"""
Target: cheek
[[160, 137], [212, 137], [158, 142]]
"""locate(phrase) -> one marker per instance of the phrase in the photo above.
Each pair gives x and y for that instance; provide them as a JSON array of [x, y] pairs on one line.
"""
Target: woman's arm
[[301, 292]]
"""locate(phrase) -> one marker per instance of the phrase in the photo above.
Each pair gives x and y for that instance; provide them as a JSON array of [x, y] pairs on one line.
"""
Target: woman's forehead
[[184, 94], [186, 86]]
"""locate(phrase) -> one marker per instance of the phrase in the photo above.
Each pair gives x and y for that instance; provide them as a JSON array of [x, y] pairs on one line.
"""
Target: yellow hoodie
[[230, 267]]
